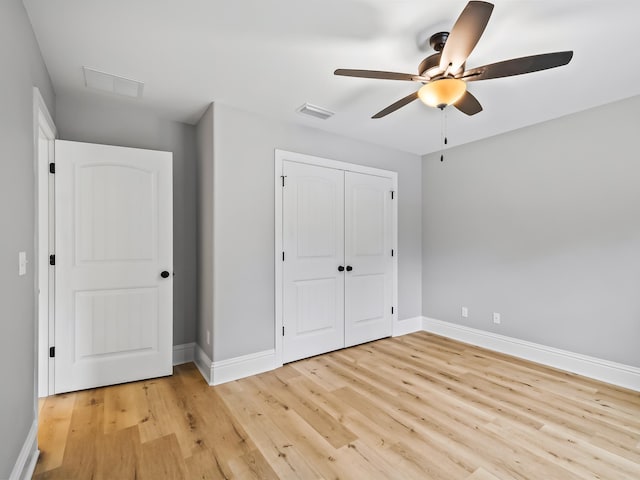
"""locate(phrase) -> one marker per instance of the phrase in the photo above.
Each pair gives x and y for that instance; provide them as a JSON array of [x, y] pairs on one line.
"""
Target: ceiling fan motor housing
[[430, 67], [438, 40], [432, 61]]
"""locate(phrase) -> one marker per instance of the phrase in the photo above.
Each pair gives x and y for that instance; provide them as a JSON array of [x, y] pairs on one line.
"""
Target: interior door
[[113, 264], [313, 243], [369, 269]]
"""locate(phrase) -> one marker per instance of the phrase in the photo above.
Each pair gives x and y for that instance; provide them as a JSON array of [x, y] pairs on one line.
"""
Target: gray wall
[[543, 226], [243, 187], [111, 121], [204, 140], [22, 68]]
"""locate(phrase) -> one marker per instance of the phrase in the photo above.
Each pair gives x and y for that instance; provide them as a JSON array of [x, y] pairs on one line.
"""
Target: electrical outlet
[[496, 317], [465, 312], [208, 337]]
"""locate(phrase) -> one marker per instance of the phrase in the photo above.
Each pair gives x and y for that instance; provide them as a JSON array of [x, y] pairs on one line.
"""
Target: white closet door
[[368, 243], [114, 256], [313, 242]]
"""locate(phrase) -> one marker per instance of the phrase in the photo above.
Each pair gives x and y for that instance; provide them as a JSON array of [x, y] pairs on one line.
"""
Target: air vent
[[108, 82], [315, 111]]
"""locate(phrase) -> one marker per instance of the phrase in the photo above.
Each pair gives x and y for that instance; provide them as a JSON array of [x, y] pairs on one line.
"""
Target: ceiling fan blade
[[518, 66], [380, 75], [465, 35], [395, 106], [468, 104]]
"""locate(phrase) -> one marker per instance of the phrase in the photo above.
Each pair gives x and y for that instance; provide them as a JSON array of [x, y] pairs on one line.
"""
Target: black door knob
[[341, 268], [164, 274], [349, 268]]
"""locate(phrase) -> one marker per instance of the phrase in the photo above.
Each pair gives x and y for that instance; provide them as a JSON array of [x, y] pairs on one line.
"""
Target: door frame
[[280, 157], [44, 229]]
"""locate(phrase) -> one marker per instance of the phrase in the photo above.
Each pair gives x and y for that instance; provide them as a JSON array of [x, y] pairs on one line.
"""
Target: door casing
[[44, 135], [280, 157]]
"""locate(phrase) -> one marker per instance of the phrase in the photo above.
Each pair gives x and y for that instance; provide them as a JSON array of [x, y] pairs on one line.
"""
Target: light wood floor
[[412, 407]]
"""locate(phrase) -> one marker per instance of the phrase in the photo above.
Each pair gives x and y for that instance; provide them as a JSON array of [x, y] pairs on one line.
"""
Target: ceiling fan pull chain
[[443, 131]]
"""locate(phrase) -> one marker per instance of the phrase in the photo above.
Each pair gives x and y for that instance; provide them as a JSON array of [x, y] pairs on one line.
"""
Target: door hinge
[[283, 177], [283, 256], [283, 330], [392, 194], [52, 352], [52, 259], [52, 167], [391, 310], [392, 252]]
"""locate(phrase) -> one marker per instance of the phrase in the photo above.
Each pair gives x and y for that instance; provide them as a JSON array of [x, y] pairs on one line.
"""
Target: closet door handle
[[349, 268], [341, 268]]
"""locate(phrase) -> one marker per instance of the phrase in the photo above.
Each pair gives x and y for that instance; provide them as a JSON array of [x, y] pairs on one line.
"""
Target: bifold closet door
[[368, 258], [313, 249]]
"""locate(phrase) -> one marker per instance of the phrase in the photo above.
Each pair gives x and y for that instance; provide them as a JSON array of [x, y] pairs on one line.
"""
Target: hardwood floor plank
[[204, 466], [87, 425], [482, 474], [162, 458], [285, 458], [118, 455], [333, 431], [252, 466], [123, 406], [55, 419]]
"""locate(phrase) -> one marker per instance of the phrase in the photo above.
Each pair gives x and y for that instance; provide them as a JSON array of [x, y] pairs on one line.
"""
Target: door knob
[[341, 268], [349, 268], [164, 274]]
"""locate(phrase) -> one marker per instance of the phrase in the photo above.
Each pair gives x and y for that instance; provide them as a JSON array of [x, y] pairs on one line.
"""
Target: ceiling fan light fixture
[[443, 92]]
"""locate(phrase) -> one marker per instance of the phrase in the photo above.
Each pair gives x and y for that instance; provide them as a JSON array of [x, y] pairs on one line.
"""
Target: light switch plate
[[22, 263]]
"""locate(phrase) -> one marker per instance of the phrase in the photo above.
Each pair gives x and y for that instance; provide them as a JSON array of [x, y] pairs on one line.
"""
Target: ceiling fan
[[443, 74]]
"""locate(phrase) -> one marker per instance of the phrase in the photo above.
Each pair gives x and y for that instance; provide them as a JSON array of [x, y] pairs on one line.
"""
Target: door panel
[[368, 243], [114, 235], [313, 242], [117, 218], [116, 321]]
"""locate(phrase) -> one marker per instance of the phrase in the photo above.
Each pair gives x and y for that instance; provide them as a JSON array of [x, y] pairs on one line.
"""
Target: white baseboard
[[406, 326], [235, 368], [604, 370], [204, 364], [244, 366], [28, 457], [184, 353]]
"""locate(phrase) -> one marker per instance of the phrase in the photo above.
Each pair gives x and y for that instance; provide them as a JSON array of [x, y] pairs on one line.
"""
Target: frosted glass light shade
[[443, 92]]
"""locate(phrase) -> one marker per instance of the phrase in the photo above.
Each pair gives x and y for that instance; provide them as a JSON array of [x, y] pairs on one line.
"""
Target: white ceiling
[[270, 57]]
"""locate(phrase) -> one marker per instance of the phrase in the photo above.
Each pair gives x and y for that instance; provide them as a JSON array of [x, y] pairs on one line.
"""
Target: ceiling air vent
[[108, 82], [315, 111]]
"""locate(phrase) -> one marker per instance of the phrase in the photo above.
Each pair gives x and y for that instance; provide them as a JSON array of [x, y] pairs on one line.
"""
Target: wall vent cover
[[108, 82], [315, 111]]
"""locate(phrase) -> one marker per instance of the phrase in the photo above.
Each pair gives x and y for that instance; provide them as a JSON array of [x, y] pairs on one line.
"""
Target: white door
[[368, 258], [114, 256], [313, 248]]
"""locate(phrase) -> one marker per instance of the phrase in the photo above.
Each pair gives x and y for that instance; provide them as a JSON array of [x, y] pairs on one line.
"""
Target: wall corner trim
[[184, 353], [26, 463], [204, 364], [406, 326], [235, 368], [243, 366], [626, 376]]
